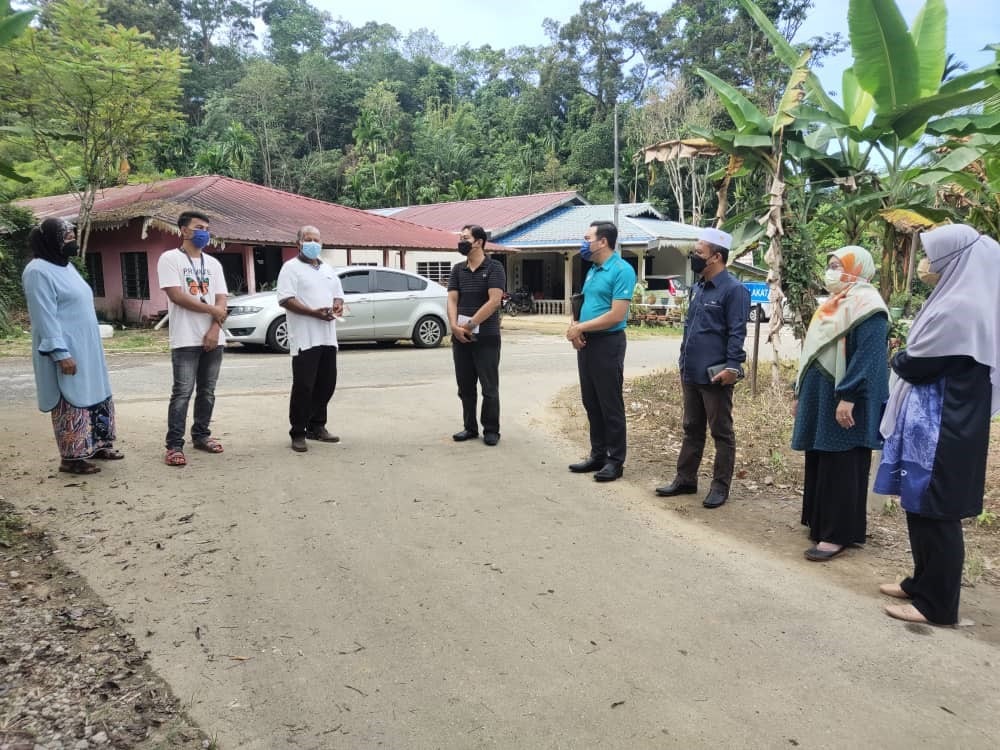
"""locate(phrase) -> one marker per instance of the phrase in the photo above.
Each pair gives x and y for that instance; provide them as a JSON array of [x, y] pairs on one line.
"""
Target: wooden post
[[756, 349]]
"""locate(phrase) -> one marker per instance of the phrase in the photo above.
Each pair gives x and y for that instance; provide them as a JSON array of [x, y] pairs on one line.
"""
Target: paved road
[[402, 591]]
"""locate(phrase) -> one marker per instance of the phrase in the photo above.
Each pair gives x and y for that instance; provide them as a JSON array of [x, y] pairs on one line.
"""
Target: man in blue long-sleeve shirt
[[718, 307]]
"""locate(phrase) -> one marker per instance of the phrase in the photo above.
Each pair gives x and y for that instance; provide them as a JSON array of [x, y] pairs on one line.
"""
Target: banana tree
[[892, 95]]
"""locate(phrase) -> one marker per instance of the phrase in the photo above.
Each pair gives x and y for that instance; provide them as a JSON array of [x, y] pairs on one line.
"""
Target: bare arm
[[189, 302]]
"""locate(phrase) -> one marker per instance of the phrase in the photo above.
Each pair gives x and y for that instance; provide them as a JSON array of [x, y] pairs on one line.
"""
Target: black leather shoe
[[459, 437], [676, 487], [491, 438], [609, 473], [588, 464], [714, 499]]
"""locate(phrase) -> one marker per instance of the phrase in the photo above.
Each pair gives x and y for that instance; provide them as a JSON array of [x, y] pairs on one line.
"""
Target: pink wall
[[111, 244]]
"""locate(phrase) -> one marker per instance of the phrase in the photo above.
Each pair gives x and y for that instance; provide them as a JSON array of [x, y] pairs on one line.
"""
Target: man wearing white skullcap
[[711, 362]]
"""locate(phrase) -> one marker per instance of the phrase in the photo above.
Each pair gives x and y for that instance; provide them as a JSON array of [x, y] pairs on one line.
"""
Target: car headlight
[[241, 310]]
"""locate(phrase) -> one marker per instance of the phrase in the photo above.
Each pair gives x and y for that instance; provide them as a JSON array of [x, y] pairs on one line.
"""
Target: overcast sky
[[972, 24]]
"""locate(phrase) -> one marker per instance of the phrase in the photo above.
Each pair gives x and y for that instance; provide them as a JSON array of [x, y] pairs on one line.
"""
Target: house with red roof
[[253, 229]]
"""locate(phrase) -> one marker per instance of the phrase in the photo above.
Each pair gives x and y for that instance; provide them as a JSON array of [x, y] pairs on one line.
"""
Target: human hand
[[726, 377], [67, 366], [219, 313], [579, 342], [845, 414], [573, 332], [795, 408], [210, 341], [461, 333], [338, 307]]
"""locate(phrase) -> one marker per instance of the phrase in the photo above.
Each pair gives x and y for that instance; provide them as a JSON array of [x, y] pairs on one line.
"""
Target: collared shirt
[[613, 279], [313, 286], [716, 327], [473, 289]]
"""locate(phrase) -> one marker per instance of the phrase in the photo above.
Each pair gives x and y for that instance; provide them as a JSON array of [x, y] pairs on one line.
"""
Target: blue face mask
[[311, 250], [200, 238], [585, 250]]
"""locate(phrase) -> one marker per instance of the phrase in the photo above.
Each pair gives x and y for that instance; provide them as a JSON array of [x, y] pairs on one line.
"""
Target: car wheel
[[755, 312], [428, 332], [277, 335]]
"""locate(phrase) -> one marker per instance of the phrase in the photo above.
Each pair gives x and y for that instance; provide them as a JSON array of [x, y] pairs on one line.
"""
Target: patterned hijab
[[46, 241], [825, 344], [962, 315]]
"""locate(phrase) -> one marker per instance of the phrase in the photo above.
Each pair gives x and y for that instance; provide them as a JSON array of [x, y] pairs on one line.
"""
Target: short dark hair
[[185, 218], [477, 232], [606, 230], [720, 250]]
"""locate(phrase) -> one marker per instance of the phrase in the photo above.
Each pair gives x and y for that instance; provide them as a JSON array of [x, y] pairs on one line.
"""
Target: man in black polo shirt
[[713, 339], [475, 290]]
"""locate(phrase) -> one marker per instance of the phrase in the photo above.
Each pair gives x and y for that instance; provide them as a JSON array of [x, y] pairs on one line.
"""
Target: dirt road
[[400, 590]]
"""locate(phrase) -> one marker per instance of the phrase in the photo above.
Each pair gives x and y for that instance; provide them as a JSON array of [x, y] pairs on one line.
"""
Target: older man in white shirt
[[311, 293]]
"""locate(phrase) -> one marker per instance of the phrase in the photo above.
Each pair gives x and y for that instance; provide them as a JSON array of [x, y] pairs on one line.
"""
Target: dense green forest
[[366, 116]]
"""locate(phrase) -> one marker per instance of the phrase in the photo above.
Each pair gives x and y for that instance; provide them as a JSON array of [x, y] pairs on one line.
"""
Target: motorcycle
[[517, 302]]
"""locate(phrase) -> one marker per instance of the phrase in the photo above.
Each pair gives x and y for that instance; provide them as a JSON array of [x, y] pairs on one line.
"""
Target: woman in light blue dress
[[70, 372]]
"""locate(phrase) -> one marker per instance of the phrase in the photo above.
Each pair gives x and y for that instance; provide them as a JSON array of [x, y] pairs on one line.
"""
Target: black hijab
[[46, 241]]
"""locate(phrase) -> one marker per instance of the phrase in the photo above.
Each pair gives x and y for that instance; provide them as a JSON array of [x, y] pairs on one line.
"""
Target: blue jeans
[[193, 366]]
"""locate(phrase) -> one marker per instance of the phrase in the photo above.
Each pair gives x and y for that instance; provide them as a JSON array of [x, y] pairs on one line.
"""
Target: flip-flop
[[819, 555], [108, 454], [894, 590], [175, 457], [209, 445], [78, 466], [906, 613]]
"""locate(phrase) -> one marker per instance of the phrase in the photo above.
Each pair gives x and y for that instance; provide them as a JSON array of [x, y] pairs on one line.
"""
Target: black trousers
[[478, 363], [938, 549], [708, 406], [314, 379], [601, 364], [835, 495]]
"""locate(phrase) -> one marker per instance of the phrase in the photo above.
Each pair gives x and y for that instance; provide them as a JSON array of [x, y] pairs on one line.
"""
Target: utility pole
[[616, 163]]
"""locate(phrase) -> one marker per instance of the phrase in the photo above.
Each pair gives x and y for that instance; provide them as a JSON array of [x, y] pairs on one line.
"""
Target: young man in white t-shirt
[[312, 295], [196, 292]]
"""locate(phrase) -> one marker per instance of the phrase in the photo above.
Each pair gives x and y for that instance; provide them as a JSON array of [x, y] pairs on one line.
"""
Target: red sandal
[[175, 457]]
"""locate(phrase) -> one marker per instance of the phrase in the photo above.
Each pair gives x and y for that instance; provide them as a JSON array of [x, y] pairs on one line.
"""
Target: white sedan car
[[380, 304]]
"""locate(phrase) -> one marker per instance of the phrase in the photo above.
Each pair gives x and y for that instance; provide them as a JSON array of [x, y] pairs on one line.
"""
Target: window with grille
[[135, 276], [435, 270], [95, 273]]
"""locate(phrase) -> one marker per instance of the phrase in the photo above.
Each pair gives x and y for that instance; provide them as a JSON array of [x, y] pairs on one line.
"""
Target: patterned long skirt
[[82, 431]]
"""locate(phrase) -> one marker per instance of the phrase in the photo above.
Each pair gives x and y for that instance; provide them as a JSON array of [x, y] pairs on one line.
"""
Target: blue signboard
[[760, 292]]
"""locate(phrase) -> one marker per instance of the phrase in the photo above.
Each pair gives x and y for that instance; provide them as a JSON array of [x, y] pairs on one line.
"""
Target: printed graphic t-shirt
[[175, 268]]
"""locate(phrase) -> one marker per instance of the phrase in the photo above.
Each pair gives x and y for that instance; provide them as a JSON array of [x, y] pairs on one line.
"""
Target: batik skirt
[[82, 431]]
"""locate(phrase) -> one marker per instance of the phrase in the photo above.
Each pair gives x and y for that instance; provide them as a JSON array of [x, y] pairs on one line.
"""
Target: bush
[[15, 223]]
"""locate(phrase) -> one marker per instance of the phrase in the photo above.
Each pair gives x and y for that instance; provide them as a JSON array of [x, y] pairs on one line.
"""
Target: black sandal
[[108, 454], [78, 466]]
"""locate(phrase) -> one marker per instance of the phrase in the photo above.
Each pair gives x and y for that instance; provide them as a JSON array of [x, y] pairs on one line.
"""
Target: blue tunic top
[[64, 324], [611, 280], [865, 384]]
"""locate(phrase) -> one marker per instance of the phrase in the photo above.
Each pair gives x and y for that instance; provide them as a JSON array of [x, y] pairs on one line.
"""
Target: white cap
[[716, 237]]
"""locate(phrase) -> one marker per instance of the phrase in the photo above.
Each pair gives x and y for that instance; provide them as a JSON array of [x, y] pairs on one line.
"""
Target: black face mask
[[697, 263], [70, 249], [464, 247]]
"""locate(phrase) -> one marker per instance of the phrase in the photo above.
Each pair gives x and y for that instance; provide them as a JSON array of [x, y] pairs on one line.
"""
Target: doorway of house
[[267, 265], [533, 275]]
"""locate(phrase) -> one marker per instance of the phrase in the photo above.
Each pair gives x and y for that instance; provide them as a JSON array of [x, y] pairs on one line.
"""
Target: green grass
[[138, 340], [645, 331], [10, 524]]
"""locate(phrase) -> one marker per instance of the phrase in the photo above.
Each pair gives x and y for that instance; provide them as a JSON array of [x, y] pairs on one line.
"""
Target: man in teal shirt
[[599, 339]]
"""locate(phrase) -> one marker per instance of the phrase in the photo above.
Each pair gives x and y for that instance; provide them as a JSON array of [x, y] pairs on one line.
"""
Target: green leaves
[[13, 24], [929, 41], [885, 56], [744, 113]]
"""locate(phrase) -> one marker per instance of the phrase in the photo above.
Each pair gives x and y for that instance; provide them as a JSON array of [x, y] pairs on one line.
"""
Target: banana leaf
[[885, 57]]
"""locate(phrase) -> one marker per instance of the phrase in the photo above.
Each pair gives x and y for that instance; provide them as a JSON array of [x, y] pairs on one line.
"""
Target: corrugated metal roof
[[246, 213], [638, 224], [498, 216]]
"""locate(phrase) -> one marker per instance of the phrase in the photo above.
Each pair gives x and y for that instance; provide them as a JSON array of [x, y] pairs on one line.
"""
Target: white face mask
[[925, 274], [833, 282]]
